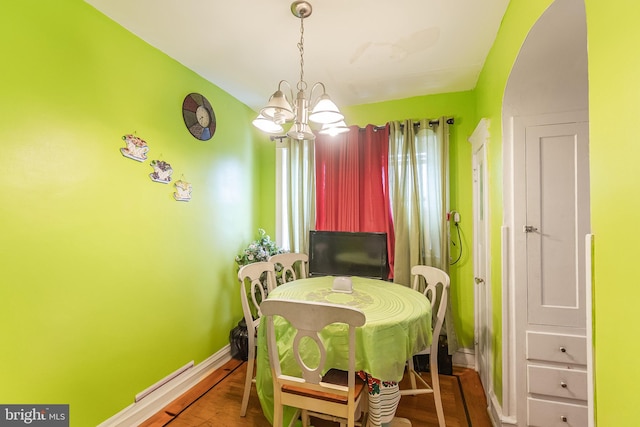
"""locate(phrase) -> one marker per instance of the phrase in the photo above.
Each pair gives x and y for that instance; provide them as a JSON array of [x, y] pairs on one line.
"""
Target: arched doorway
[[546, 215]]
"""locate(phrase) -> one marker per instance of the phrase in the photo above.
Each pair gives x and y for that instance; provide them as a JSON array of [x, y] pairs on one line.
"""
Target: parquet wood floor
[[216, 402]]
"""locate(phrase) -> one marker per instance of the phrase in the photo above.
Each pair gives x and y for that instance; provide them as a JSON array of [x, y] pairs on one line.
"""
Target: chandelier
[[282, 109]]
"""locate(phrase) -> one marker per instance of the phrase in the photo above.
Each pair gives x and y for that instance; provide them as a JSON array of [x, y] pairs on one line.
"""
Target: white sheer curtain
[[419, 188], [298, 165]]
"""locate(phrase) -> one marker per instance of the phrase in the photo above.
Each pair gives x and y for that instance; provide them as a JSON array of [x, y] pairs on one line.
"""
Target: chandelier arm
[[313, 101], [291, 98]]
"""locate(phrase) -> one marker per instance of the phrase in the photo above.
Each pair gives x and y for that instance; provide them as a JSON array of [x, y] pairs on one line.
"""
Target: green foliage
[[258, 250]]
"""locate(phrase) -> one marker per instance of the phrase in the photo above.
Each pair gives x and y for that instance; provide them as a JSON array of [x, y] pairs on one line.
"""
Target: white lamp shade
[[278, 108], [325, 111], [301, 131], [266, 125], [334, 129]]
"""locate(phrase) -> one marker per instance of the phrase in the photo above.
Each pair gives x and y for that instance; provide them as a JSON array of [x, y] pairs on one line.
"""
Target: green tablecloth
[[398, 326]]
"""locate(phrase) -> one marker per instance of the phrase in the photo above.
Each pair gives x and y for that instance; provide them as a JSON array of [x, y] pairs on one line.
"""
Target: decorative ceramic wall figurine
[[183, 191], [136, 148], [161, 171]]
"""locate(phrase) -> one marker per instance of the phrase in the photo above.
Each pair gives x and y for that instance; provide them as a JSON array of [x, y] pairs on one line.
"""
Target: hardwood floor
[[216, 402]]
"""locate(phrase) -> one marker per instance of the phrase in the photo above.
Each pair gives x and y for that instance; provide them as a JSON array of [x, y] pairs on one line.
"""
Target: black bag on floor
[[445, 362], [239, 341]]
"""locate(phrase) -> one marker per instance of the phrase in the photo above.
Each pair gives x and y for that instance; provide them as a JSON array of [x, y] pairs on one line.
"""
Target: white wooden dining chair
[[427, 280], [336, 395], [294, 265], [253, 278]]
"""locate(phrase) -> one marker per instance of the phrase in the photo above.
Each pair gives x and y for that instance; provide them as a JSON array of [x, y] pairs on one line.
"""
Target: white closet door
[[557, 186]]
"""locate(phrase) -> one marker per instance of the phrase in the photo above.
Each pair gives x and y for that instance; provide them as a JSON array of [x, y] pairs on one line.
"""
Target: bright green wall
[[108, 284], [460, 106], [518, 20], [614, 105], [614, 108]]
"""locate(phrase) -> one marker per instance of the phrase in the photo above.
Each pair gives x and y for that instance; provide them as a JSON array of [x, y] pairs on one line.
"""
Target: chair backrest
[[309, 318], [253, 278], [427, 279], [290, 262]]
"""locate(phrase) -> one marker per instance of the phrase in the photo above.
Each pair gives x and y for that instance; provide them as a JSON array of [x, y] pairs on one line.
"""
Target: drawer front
[[568, 383], [557, 348], [544, 413]]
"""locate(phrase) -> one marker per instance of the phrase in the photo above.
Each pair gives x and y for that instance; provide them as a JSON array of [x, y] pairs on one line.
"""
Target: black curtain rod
[[450, 121], [431, 123]]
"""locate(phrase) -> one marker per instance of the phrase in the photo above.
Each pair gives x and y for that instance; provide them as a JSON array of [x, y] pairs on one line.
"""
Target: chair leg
[[277, 415], [306, 421], [412, 373], [435, 386], [247, 382], [351, 421], [414, 377]]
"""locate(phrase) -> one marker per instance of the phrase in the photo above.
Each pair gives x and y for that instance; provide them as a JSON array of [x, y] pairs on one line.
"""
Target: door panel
[[483, 330], [557, 217]]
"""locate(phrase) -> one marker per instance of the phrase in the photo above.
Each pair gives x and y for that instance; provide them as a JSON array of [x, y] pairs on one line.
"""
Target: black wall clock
[[198, 116]]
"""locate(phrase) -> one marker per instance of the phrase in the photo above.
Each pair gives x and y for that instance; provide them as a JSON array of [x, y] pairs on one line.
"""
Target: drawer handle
[[563, 349], [563, 418], [563, 384]]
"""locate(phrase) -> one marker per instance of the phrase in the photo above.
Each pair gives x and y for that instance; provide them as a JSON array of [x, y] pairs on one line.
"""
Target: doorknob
[[478, 280], [529, 229]]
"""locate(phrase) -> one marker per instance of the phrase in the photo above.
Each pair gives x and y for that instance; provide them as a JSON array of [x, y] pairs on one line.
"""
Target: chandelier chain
[[303, 107], [302, 85]]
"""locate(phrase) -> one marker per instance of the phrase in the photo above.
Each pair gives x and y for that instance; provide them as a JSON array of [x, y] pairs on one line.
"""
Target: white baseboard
[[497, 417], [464, 357], [153, 403]]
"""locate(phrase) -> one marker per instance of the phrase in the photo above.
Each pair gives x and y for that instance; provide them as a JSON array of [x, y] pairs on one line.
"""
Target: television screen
[[341, 253]]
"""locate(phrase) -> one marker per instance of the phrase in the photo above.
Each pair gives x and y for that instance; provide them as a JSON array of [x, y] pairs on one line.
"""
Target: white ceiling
[[364, 51]]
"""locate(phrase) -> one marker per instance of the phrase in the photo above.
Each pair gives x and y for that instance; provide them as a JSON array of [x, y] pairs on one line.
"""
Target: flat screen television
[[341, 253]]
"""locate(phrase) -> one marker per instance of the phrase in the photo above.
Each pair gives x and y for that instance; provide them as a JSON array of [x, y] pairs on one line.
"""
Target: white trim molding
[[482, 289], [464, 357], [153, 402], [496, 416], [480, 135], [588, 248]]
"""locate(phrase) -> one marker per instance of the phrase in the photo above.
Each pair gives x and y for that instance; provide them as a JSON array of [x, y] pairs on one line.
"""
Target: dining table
[[398, 326]]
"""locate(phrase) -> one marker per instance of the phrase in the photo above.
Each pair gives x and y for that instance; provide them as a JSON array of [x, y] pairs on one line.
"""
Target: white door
[[482, 293], [557, 220]]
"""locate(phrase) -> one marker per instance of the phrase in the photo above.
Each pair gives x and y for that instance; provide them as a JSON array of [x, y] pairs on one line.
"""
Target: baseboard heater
[[163, 381]]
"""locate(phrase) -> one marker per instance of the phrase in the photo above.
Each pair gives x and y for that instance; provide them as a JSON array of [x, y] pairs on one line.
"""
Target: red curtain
[[352, 183]]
